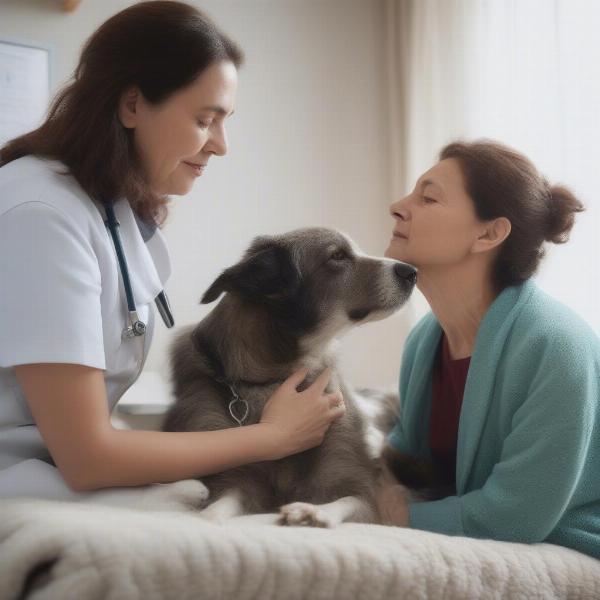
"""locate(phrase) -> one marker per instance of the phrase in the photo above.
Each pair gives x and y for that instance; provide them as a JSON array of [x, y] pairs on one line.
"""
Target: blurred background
[[342, 104]]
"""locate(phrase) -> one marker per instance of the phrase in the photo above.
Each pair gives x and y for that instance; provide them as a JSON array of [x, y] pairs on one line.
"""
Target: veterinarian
[[140, 121], [500, 383]]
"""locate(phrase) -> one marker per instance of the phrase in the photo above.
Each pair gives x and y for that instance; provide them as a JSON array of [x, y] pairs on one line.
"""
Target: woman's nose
[[217, 144], [399, 210]]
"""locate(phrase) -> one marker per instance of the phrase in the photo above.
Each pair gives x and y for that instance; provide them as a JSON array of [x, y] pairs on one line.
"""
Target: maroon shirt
[[449, 378]]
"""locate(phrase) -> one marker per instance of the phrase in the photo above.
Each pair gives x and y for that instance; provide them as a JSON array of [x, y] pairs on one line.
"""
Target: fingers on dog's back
[[321, 381], [297, 377]]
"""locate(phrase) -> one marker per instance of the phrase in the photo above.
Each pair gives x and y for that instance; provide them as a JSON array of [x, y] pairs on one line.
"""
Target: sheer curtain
[[524, 72]]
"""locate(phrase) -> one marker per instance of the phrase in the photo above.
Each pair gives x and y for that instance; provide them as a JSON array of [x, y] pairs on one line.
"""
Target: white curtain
[[524, 72]]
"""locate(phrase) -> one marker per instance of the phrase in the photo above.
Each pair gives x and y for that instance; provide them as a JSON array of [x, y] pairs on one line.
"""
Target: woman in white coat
[[141, 119]]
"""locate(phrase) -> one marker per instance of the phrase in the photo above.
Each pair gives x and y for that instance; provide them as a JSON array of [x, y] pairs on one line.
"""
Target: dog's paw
[[303, 514], [184, 495]]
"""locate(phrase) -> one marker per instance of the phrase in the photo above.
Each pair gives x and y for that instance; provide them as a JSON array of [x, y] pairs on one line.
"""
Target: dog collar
[[237, 404], [238, 407]]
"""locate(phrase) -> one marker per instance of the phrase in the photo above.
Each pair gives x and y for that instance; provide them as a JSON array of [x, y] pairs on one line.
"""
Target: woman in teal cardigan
[[519, 435]]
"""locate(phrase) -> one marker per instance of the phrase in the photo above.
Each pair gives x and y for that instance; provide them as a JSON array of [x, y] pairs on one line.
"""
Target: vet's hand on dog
[[298, 421]]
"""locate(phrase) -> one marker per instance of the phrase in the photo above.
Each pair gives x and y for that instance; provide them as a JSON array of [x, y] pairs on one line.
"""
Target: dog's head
[[316, 281]]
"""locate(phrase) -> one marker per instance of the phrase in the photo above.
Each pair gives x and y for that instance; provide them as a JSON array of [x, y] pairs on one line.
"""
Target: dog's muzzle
[[405, 273]]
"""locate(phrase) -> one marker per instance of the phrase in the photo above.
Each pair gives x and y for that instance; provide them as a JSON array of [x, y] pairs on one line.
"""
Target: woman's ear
[[128, 105], [493, 234]]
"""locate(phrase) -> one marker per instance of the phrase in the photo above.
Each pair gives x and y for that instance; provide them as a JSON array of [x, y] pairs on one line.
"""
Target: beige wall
[[308, 145]]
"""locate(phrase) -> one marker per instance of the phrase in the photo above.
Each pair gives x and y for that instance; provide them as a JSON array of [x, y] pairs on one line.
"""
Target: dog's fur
[[285, 302]]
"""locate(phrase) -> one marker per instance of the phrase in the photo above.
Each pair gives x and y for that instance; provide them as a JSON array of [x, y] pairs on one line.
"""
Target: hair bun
[[562, 206]]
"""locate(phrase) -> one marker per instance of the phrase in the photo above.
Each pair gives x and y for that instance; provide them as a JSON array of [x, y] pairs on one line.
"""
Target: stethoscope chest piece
[[136, 328]]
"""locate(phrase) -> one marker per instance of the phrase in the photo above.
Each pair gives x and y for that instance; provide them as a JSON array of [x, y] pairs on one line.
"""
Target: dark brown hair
[[504, 183], [159, 46]]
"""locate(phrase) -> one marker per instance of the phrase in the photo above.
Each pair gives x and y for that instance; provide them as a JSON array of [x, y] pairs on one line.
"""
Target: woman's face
[[176, 138], [436, 223]]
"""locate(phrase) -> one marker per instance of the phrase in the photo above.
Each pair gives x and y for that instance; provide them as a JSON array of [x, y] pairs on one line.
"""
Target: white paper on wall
[[24, 88]]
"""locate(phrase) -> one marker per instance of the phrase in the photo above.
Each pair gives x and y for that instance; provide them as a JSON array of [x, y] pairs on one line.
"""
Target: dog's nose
[[405, 272]]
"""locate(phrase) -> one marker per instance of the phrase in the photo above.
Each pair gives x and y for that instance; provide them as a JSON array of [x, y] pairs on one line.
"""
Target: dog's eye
[[339, 255]]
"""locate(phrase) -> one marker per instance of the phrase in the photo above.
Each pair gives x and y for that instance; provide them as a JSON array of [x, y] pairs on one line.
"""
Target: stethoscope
[[137, 327]]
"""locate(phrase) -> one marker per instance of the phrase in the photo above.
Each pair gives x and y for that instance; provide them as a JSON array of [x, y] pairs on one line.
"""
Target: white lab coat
[[62, 301]]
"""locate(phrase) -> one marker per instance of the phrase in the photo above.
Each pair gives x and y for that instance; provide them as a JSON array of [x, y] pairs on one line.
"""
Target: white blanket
[[73, 551]]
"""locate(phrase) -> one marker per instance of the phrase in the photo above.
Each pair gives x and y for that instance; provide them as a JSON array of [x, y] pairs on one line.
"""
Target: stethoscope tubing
[[137, 327]]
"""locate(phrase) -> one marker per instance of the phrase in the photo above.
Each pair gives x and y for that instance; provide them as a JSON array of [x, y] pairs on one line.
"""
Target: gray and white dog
[[285, 302]]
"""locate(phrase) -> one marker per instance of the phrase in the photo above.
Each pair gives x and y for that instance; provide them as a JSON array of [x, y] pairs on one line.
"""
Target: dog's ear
[[267, 272], [217, 287]]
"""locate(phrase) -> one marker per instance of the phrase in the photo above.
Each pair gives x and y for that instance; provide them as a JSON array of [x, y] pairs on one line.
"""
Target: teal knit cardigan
[[528, 457]]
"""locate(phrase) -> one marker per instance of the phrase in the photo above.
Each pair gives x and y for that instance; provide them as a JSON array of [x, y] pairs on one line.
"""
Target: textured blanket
[[53, 550]]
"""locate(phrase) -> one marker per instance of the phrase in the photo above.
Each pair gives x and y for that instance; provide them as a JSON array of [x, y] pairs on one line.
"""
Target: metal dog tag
[[239, 421]]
